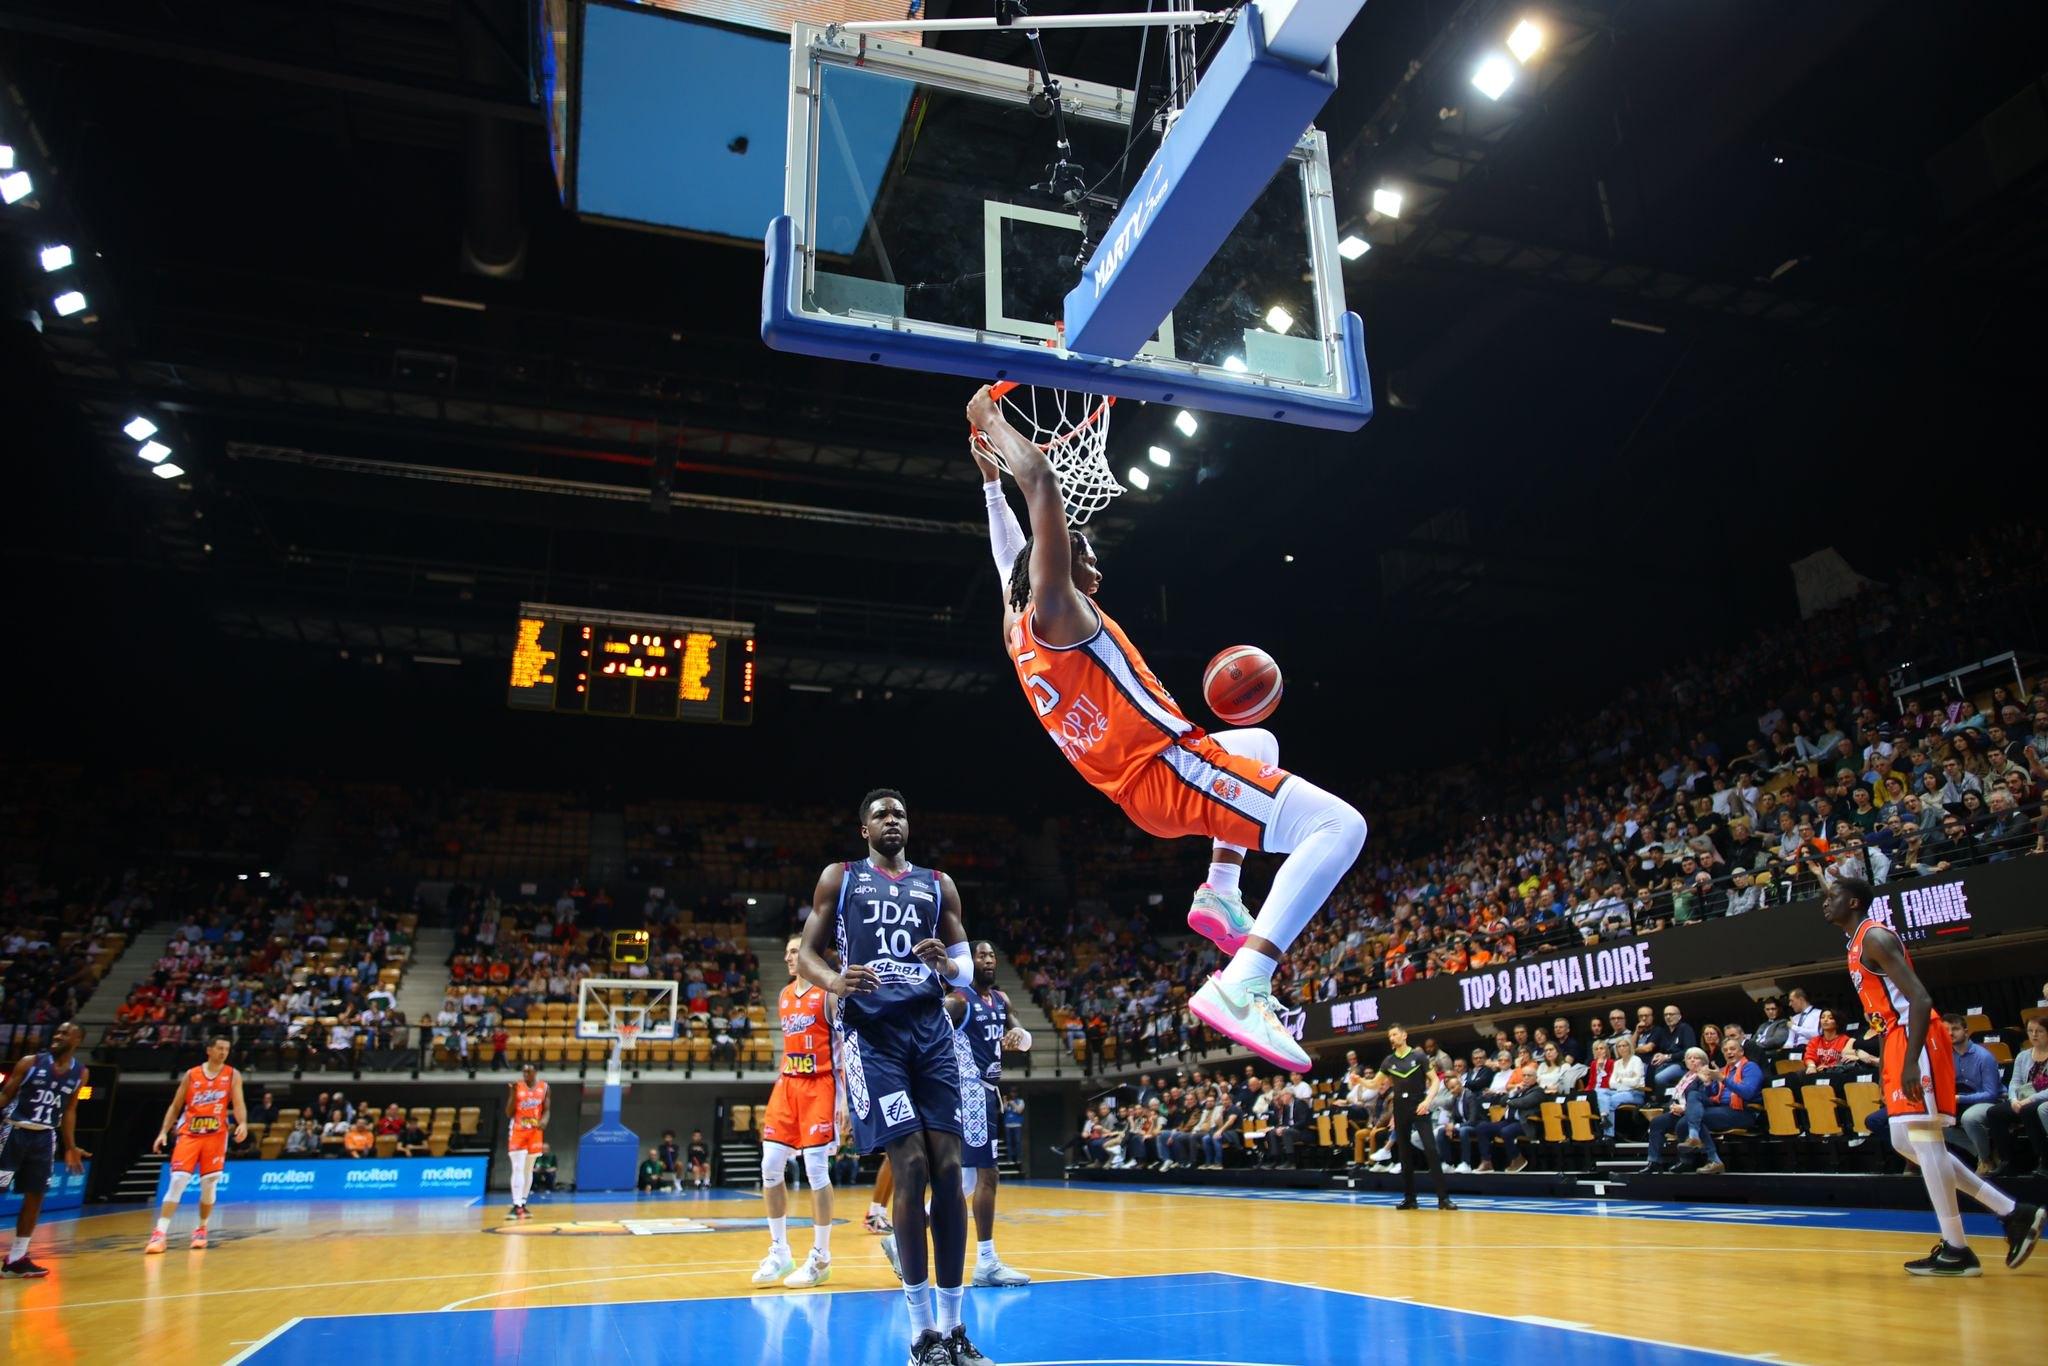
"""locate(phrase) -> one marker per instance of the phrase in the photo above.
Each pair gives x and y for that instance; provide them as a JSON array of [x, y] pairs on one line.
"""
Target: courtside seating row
[[443, 1126]]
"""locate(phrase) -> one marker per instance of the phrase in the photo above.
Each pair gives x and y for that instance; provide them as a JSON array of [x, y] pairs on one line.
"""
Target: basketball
[[1242, 685]]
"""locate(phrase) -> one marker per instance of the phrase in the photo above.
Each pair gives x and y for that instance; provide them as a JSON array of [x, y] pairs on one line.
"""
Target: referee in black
[[1407, 1074]]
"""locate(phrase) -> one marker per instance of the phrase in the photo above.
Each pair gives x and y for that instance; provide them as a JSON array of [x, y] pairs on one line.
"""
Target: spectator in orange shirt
[[360, 1138]]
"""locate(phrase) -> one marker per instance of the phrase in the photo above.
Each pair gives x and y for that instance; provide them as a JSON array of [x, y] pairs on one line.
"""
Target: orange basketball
[[1242, 685]]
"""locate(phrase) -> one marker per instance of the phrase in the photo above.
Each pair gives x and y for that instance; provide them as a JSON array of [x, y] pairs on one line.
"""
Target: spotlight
[[1279, 319], [1287, 559], [139, 429], [1526, 41], [167, 471], [6, 157], [1235, 364], [16, 186], [1386, 202], [68, 303], [1185, 420], [154, 451], [1137, 478], [1353, 247], [1494, 76], [1160, 456], [56, 258]]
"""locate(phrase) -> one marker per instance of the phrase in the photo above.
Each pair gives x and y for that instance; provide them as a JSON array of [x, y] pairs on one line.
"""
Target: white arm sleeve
[[1024, 1043], [1005, 537]]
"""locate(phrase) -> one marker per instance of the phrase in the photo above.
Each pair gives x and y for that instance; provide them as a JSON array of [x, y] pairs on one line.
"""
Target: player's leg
[[1218, 911], [183, 1169], [884, 1194], [949, 1228], [775, 1159], [25, 1171], [911, 1162], [1321, 835], [817, 1267], [209, 1184], [522, 1177]]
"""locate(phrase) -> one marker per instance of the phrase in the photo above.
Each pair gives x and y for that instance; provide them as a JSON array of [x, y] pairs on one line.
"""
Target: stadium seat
[[468, 1119], [1823, 1119], [272, 1148], [387, 1144], [1861, 1098], [1999, 1049]]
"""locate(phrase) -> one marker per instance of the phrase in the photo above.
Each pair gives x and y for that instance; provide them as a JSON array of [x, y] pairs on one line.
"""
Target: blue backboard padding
[[1246, 116], [663, 100], [786, 327]]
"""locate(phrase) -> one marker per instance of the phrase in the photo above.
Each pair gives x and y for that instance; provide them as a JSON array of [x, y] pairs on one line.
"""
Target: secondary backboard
[[912, 236], [605, 1005]]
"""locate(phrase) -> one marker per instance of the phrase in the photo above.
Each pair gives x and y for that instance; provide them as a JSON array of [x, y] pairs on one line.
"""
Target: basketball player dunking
[[801, 1119], [40, 1102], [898, 932], [1117, 724], [1919, 1085], [200, 1109], [530, 1107]]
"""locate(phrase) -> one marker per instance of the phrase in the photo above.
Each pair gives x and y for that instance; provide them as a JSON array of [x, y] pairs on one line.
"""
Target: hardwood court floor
[[1119, 1270]]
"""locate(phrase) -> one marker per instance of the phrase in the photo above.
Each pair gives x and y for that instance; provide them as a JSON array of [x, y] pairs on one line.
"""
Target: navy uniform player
[[982, 1030], [42, 1090], [897, 930]]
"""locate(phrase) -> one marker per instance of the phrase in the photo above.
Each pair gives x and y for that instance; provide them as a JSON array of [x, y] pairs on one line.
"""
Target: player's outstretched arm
[[1059, 604], [1005, 537]]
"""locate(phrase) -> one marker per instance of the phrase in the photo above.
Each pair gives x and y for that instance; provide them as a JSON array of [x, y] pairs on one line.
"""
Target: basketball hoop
[[1073, 430], [628, 1033]]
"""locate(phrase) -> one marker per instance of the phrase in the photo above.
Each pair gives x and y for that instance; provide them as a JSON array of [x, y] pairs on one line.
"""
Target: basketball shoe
[[158, 1241], [23, 1268], [1245, 1014], [774, 1266], [1220, 917], [1947, 1261], [994, 1272], [2022, 1231], [199, 1240], [889, 1251], [816, 1270]]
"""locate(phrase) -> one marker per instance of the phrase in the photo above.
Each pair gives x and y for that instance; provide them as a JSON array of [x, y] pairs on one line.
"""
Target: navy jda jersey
[[45, 1091], [983, 1024], [880, 919]]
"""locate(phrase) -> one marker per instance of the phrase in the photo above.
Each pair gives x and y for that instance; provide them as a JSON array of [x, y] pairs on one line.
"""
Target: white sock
[[1941, 1189], [919, 1298], [20, 1249], [821, 1235], [985, 1250], [949, 1307], [1223, 876], [876, 1209], [1321, 836], [1249, 967], [778, 1231], [1965, 1179], [163, 1225]]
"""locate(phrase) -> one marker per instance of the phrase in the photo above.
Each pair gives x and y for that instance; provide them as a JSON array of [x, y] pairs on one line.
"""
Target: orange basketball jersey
[[1884, 1005], [806, 1031], [528, 1101], [1105, 709], [206, 1100]]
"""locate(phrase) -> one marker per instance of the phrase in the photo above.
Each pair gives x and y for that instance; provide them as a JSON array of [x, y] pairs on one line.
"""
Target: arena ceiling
[[1638, 335]]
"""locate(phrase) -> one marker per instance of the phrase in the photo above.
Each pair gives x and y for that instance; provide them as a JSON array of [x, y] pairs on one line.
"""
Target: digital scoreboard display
[[579, 659]]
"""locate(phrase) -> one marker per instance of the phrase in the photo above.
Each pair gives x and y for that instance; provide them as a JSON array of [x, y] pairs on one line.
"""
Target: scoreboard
[[582, 659]]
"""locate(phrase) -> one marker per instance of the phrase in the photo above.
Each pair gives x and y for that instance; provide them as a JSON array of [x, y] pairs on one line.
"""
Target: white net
[[1073, 431]]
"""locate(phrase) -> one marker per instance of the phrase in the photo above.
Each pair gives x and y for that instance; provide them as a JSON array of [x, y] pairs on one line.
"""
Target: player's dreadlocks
[[1020, 568]]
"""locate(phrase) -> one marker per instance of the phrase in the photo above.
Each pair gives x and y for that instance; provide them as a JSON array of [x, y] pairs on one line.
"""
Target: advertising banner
[[396, 1178], [1960, 906], [65, 1192]]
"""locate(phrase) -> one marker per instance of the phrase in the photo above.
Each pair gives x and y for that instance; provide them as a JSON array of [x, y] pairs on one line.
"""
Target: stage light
[[16, 186], [56, 258], [1235, 364], [68, 303], [1185, 420], [154, 451], [140, 429], [1287, 559], [1353, 247], [167, 471], [1386, 202], [6, 157], [1526, 41], [1494, 76], [1279, 319], [1160, 456], [1137, 478]]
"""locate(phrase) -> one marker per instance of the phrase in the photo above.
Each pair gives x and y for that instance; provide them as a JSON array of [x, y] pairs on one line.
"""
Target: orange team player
[[1117, 724], [801, 1118], [200, 1109], [1919, 1085], [531, 1107]]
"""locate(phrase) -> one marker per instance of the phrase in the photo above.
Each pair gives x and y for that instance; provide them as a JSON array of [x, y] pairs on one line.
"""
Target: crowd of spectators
[[287, 974], [1681, 1086], [54, 949], [331, 1125]]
